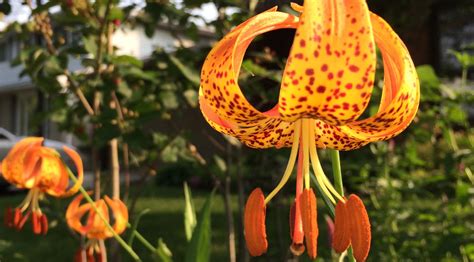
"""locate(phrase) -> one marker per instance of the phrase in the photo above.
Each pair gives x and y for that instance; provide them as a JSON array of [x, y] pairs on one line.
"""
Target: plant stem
[[337, 174], [336, 170], [109, 227], [142, 239]]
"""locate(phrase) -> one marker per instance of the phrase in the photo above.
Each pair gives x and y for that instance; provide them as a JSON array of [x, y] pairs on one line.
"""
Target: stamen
[[306, 130], [291, 162], [26, 202], [315, 161]]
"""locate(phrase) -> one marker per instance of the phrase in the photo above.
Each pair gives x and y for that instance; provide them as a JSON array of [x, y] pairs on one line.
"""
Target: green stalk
[[142, 239], [115, 235], [337, 174], [336, 171]]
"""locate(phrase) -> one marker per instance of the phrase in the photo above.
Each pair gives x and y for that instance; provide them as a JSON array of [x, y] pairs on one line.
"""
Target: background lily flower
[[95, 228], [41, 170], [326, 86]]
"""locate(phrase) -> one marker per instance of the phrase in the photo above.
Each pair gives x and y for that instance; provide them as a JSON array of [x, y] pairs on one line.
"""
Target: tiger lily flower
[[95, 228], [40, 169], [325, 87]]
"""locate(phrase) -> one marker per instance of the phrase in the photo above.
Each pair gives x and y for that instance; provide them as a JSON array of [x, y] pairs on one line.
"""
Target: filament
[[291, 162]]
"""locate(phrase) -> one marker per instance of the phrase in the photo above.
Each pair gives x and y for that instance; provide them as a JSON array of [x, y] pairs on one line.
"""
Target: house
[[20, 99]]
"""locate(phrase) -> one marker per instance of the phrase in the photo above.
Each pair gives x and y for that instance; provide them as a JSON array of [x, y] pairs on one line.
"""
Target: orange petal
[[342, 231], [221, 101], [360, 228], [401, 93], [309, 214], [254, 223], [80, 171], [331, 63], [98, 229], [74, 214], [12, 165], [120, 212]]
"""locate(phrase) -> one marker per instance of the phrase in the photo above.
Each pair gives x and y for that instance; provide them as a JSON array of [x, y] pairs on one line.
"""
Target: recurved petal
[[74, 214], [263, 133], [400, 98], [401, 92], [219, 76], [76, 158], [332, 62], [360, 228], [342, 230], [254, 223], [120, 213], [309, 217], [12, 165]]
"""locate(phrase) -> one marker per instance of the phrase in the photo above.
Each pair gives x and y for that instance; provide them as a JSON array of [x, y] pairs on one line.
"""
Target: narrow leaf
[[189, 213], [200, 246]]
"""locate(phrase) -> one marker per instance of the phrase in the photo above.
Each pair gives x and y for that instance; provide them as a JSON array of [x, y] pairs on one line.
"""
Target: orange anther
[[254, 223], [309, 216], [36, 223], [342, 232], [44, 224], [360, 228], [23, 220], [17, 217]]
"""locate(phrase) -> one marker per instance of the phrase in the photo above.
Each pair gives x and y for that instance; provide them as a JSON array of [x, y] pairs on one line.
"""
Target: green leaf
[[163, 253], [124, 89], [200, 246], [90, 44], [127, 60], [187, 72], [169, 100], [427, 76], [191, 97], [189, 213], [220, 163], [116, 13]]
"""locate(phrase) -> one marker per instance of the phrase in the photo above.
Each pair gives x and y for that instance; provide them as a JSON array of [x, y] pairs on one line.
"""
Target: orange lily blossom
[[326, 86], [95, 228], [40, 169]]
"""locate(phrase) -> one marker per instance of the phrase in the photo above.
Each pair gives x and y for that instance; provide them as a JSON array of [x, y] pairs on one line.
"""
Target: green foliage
[[189, 213], [199, 248]]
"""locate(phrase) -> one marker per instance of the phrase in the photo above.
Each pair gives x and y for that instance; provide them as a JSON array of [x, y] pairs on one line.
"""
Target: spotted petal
[[219, 76], [12, 166], [331, 64], [221, 101], [400, 98]]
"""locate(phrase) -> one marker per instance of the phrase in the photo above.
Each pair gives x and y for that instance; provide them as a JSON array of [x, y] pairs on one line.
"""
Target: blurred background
[[418, 187]]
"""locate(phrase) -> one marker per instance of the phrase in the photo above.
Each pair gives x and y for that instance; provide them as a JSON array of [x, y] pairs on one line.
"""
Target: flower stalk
[[337, 174]]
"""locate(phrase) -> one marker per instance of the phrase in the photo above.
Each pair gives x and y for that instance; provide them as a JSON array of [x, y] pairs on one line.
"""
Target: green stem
[[115, 235], [337, 174], [336, 170], [142, 239]]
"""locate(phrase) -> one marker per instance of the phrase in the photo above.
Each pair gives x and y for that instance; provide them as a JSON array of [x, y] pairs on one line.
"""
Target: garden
[[222, 130]]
